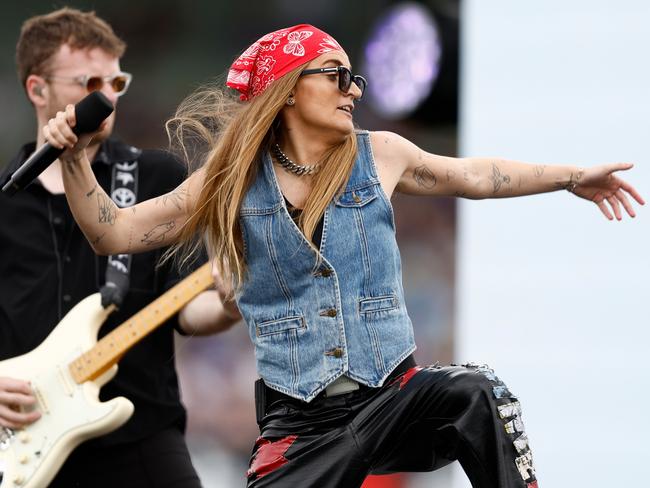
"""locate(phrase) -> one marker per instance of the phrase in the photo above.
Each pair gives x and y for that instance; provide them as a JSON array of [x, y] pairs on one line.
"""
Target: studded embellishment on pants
[[510, 413]]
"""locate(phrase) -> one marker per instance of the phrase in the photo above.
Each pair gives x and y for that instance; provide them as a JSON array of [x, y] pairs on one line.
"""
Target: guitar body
[[66, 372], [70, 413]]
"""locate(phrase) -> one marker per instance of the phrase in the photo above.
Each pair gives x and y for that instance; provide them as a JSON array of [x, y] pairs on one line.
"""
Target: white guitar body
[[71, 412]]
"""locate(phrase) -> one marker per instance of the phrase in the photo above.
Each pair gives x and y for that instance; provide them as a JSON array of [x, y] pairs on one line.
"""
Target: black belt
[[265, 396]]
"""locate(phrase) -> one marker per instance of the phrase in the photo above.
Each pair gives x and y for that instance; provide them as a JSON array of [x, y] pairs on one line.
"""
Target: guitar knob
[[19, 479], [24, 459], [24, 437]]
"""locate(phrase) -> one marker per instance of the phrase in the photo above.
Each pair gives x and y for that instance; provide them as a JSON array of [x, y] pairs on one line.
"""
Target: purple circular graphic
[[402, 60]]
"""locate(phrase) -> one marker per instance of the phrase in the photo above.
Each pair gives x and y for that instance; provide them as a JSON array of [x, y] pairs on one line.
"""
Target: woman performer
[[296, 208]]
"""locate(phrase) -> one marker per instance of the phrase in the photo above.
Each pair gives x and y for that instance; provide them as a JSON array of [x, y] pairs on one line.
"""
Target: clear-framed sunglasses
[[346, 78], [119, 82]]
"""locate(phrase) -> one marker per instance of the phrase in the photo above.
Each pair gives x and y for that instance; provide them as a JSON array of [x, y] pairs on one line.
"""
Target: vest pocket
[[279, 326], [372, 305], [357, 197]]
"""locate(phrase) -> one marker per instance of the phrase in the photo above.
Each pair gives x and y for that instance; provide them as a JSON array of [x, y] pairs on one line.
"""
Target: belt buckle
[[340, 386]]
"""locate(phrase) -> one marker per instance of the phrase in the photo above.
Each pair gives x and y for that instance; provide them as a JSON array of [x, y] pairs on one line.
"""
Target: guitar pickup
[[40, 399], [63, 379]]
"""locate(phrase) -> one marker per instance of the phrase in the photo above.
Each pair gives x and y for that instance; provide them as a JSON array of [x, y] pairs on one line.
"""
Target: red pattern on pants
[[269, 456]]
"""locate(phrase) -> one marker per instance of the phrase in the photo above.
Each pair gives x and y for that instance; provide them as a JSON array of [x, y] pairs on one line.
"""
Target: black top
[[295, 213], [47, 267]]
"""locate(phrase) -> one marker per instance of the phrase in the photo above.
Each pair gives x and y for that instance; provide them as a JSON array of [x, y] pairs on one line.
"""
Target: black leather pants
[[419, 421]]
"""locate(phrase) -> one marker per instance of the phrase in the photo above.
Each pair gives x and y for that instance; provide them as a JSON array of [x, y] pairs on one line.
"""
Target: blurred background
[[543, 289]]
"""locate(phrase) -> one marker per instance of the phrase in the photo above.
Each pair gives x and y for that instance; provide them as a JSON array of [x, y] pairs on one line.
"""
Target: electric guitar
[[66, 372]]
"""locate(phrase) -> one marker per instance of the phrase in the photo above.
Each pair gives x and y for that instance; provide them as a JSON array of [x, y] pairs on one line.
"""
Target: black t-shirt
[[47, 267]]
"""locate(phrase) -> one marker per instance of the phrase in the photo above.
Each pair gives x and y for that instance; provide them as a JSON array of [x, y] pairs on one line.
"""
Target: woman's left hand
[[225, 294], [599, 185]]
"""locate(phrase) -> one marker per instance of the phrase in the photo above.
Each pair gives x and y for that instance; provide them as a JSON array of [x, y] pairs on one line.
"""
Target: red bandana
[[274, 55]]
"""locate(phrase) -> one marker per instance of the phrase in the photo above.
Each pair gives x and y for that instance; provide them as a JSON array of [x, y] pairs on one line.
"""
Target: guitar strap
[[124, 192]]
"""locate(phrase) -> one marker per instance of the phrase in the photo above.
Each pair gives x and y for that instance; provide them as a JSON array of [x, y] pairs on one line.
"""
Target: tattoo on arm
[[158, 233], [128, 249], [175, 197], [538, 170], [424, 177], [498, 179], [107, 209], [451, 174], [89, 194], [574, 180], [99, 238]]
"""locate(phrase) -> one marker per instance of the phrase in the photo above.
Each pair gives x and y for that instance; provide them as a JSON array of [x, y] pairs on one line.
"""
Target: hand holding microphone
[[83, 120]]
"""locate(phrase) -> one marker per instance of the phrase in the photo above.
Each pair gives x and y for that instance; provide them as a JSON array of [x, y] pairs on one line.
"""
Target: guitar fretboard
[[108, 351]]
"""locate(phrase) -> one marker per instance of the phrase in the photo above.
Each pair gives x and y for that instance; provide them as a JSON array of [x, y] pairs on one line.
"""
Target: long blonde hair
[[236, 134]]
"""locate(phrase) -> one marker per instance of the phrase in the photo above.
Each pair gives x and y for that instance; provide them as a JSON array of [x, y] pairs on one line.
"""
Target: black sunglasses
[[346, 78]]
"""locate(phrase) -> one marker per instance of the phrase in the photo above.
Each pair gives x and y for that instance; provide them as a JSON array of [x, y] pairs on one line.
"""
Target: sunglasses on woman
[[346, 78], [119, 82]]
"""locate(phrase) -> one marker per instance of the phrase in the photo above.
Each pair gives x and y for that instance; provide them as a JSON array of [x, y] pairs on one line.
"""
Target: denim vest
[[311, 323]]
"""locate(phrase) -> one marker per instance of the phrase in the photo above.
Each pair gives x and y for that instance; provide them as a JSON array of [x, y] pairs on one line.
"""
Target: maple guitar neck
[[108, 351]]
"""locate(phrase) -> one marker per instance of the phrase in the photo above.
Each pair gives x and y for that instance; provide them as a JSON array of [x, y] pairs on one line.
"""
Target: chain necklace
[[286, 163]]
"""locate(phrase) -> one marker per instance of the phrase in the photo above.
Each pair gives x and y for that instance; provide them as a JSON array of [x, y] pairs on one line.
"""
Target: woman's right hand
[[14, 396], [58, 132]]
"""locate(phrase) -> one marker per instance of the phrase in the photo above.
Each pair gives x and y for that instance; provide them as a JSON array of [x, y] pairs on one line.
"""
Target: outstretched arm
[[109, 229], [406, 168]]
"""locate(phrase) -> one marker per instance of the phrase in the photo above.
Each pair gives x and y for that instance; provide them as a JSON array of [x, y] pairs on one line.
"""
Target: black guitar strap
[[124, 192]]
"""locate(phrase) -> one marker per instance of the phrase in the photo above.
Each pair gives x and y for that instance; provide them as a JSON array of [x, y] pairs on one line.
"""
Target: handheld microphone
[[90, 112]]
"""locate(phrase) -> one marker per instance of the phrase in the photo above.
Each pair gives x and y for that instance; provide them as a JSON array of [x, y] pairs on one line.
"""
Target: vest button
[[356, 198], [337, 352], [330, 312]]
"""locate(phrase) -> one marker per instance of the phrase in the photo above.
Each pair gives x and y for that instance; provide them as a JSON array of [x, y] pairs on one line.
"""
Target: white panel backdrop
[[551, 294]]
